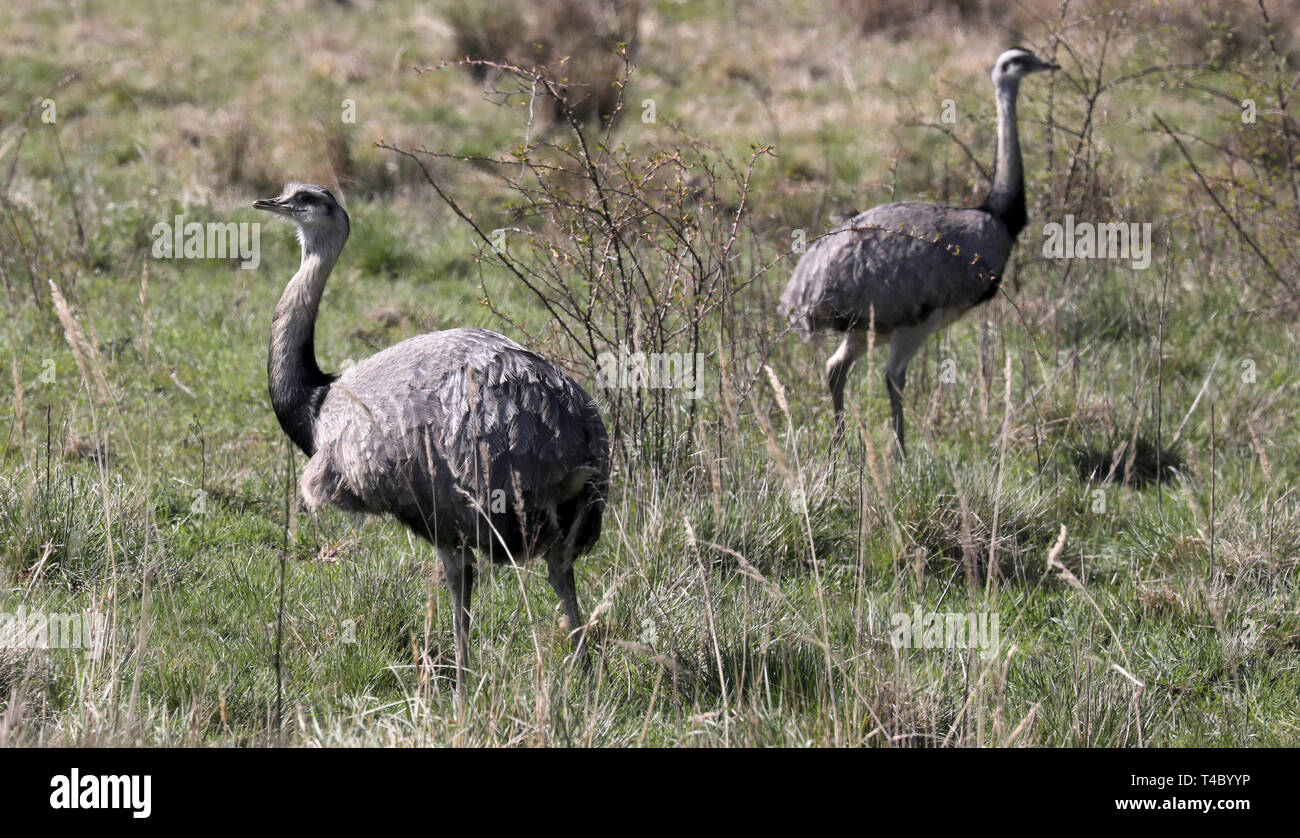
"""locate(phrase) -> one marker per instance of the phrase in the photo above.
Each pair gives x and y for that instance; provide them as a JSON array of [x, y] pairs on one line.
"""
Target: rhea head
[[1015, 64], [322, 223]]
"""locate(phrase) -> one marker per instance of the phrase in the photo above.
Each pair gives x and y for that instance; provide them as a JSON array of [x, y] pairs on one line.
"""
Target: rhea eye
[[307, 198]]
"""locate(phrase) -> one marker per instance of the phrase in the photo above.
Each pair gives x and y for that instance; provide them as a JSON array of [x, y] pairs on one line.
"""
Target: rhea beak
[[1045, 65], [279, 206]]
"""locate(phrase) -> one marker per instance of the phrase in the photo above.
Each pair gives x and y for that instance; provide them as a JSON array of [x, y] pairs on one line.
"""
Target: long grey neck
[[1006, 199], [296, 382]]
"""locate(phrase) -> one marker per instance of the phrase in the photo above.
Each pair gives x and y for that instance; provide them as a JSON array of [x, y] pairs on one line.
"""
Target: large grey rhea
[[907, 270], [466, 437]]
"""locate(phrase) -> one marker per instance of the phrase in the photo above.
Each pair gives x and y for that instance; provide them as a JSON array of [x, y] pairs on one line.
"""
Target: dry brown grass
[[578, 41], [1215, 31]]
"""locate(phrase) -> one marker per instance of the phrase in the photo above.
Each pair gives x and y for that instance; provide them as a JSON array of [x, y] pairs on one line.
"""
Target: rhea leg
[[458, 567], [559, 563], [895, 380], [837, 373], [903, 345]]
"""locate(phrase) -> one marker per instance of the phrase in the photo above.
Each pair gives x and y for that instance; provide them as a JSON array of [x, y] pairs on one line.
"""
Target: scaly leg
[[458, 566], [903, 345], [895, 380], [837, 373], [560, 575]]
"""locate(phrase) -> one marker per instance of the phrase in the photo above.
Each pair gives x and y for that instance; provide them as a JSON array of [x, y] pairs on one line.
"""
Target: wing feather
[[438, 422], [900, 262]]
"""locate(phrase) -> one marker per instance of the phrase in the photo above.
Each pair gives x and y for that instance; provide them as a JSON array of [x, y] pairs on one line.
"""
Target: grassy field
[[750, 573]]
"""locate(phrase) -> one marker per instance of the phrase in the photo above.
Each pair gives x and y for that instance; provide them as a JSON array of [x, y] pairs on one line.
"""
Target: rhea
[[469, 439], [904, 271]]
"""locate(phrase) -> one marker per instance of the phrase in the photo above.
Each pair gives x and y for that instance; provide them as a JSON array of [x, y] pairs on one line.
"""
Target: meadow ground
[[750, 573]]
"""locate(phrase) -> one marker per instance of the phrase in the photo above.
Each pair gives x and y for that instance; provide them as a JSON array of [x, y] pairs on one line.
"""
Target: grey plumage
[[906, 270], [471, 440], [869, 267]]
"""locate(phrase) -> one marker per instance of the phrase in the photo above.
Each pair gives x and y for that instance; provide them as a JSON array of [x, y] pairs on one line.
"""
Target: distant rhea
[[467, 438], [907, 270]]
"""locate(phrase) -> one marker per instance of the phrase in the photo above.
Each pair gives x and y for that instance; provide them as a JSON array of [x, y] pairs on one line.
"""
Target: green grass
[[729, 612]]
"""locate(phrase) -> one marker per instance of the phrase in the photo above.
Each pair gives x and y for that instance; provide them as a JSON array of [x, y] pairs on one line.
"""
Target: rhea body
[[470, 440], [907, 270]]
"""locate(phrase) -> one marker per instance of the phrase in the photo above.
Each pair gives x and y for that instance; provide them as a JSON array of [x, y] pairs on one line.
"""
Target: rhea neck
[[296, 382], [1006, 199]]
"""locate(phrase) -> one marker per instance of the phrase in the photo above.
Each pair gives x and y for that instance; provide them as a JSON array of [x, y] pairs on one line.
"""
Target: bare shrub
[[636, 257], [1250, 178]]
